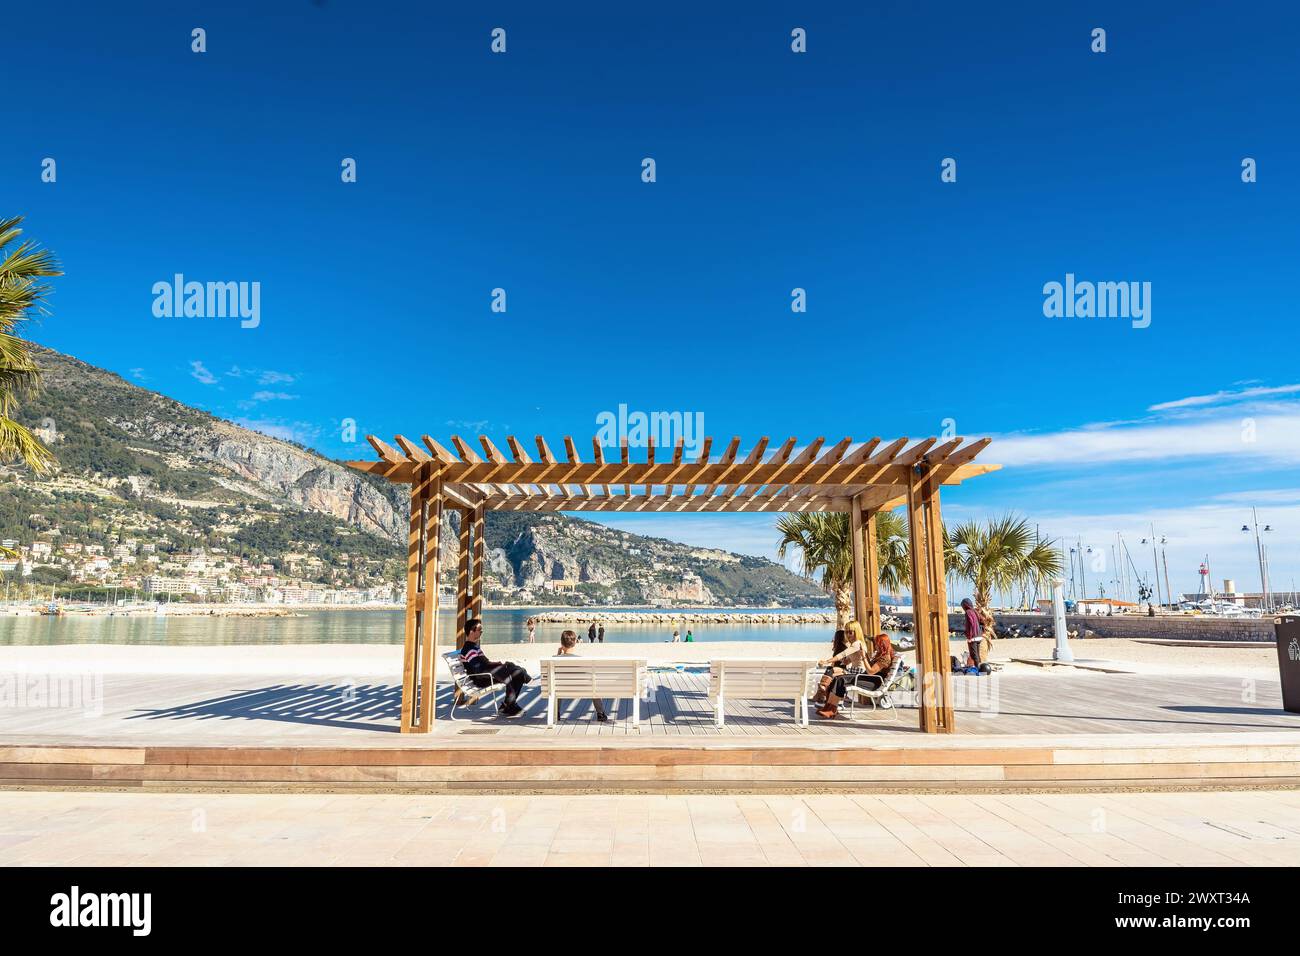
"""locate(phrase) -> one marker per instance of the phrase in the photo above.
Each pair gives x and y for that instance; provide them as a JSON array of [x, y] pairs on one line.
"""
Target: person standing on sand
[[677, 636], [600, 634], [591, 633], [532, 630], [689, 639], [973, 630]]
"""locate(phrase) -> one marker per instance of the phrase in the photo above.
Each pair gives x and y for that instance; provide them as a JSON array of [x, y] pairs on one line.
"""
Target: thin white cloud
[[1271, 495], [265, 396], [271, 377], [304, 433], [1224, 397], [477, 427], [1271, 438], [199, 372]]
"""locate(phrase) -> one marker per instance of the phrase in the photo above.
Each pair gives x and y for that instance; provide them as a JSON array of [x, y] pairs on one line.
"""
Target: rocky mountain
[[134, 464]]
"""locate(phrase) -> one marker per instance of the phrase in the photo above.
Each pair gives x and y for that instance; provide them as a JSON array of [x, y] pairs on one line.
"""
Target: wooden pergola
[[860, 479]]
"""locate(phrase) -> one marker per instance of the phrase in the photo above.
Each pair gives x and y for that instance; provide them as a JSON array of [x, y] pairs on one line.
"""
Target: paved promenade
[[1221, 829], [223, 709]]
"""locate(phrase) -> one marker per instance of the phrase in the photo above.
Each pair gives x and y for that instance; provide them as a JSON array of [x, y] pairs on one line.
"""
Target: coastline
[[384, 661]]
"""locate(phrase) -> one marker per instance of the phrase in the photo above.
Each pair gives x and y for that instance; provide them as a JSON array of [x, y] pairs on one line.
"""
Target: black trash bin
[[1288, 660]]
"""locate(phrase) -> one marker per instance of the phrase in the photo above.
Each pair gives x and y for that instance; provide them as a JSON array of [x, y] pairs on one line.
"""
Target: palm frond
[[22, 296], [18, 443], [1000, 554]]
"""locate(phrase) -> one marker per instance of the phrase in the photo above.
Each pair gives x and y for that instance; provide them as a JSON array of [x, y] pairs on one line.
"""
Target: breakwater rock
[[577, 619]]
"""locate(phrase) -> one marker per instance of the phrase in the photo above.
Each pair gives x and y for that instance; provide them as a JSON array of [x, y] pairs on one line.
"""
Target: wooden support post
[[859, 567], [462, 576], [476, 569], [939, 602], [429, 608], [871, 571], [411, 647], [929, 604]]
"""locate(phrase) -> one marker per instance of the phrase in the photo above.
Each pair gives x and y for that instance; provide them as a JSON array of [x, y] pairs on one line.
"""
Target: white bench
[[775, 679], [572, 678]]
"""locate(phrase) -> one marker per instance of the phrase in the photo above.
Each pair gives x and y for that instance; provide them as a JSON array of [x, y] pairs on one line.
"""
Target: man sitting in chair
[[485, 673]]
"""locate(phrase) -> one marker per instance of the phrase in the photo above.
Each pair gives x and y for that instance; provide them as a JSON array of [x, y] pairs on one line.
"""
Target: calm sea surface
[[501, 626]]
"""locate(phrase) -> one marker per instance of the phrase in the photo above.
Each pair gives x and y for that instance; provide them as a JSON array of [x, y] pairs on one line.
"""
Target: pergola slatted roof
[[816, 479], [860, 479]]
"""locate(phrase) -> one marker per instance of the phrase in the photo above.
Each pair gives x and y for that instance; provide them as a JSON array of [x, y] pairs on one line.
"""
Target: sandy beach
[[385, 660]]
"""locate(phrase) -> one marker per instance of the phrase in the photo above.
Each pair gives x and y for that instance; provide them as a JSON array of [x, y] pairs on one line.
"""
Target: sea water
[[500, 626]]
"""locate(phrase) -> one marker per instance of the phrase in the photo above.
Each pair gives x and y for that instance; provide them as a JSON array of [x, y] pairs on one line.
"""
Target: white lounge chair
[[573, 678], [879, 697], [466, 693], [789, 680]]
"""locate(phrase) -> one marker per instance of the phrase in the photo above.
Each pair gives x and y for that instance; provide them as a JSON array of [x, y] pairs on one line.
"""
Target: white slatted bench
[[573, 678], [790, 680]]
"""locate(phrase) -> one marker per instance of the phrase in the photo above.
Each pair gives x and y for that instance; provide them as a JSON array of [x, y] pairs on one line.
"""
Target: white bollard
[[1062, 650]]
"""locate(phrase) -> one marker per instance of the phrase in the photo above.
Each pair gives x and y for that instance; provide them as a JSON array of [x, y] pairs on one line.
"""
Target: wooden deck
[[242, 710]]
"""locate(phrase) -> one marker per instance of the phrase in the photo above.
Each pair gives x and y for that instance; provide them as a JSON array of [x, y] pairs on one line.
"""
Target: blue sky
[[775, 170]]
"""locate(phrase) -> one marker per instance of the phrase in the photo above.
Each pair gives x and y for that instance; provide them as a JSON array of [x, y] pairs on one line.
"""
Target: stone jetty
[[584, 618]]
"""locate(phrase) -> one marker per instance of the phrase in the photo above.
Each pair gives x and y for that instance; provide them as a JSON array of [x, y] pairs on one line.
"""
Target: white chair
[[466, 693], [601, 678], [776, 679], [879, 697]]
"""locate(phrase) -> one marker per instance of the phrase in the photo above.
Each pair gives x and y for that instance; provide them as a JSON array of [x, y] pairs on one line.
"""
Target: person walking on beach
[[600, 634], [973, 631], [532, 629], [568, 641], [689, 639], [591, 633], [485, 673]]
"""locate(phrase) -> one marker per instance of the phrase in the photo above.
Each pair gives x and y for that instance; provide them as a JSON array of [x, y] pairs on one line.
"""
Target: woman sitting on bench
[[863, 666]]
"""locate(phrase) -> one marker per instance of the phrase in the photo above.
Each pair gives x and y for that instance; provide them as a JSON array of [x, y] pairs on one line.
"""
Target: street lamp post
[[1164, 556], [1083, 574], [1155, 562], [1265, 600]]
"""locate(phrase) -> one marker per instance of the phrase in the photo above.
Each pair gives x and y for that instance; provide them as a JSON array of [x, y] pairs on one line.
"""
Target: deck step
[[432, 768]]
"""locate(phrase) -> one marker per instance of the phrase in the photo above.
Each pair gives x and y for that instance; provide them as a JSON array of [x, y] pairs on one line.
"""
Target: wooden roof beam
[[439, 453], [387, 454], [598, 455], [467, 454], [492, 451], [728, 458], [752, 461], [571, 453], [411, 451], [678, 450]]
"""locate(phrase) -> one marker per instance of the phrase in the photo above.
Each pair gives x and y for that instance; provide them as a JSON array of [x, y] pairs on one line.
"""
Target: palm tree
[[1003, 553], [825, 544], [22, 295]]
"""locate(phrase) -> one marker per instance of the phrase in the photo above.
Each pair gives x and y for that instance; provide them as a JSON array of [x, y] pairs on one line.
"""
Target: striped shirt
[[472, 656]]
